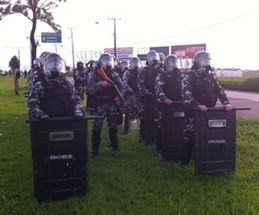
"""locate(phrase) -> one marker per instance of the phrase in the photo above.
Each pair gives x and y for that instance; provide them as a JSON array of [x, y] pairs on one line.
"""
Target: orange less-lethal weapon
[[102, 73]]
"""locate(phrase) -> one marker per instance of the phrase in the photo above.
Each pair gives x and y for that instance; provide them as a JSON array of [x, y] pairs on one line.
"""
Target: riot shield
[[215, 141], [149, 120], [173, 124], [60, 157]]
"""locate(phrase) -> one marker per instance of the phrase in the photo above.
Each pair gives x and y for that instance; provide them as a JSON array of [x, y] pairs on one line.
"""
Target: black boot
[[126, 123], [114, 139], [96, 138]]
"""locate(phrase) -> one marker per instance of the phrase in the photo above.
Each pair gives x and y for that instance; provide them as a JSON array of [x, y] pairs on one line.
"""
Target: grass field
[[245, 83], [135, 181]]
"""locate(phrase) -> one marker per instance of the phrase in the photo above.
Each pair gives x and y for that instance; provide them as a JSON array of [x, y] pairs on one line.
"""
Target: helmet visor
[[203, 62]]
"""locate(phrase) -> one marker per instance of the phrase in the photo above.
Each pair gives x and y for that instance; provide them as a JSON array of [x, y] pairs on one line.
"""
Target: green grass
[[246, 83], [134, 181]]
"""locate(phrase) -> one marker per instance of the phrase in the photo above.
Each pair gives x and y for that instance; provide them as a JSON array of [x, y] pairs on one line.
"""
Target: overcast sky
[[228, 27]]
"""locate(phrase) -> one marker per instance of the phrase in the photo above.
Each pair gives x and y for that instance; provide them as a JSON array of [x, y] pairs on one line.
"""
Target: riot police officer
[[168, 82], [80, 76], [92, 65], [54, 95], [149, 124], [107, 101], [130, 79], [168, 89], [36, 73], [200, 89], [121, 67]]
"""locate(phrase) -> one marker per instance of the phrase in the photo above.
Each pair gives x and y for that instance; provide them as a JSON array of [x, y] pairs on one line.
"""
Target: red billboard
[[125, 53], [187, 51]]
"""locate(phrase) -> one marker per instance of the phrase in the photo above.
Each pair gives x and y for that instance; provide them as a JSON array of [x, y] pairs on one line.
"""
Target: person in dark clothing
[[130, 80], [150, 131], [80, 77], [107, 101], [36, 73], [168, 89], [121, 67], [16, 76], [54, 95], [200, 89]]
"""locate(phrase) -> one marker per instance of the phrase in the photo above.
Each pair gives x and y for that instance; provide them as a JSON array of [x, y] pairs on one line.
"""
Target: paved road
[[245, 99]]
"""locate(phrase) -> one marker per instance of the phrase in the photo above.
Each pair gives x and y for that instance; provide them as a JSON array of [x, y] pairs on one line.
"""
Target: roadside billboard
[[163, 49], [187, 51], [124, 53]]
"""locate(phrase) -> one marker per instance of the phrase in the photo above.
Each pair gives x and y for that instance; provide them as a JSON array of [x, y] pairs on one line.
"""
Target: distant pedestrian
[[25, 73], [16, 76]]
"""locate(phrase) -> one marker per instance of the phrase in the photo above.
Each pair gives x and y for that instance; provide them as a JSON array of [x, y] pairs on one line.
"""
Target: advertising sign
[[187, 51], [163, 49], [125, 53]]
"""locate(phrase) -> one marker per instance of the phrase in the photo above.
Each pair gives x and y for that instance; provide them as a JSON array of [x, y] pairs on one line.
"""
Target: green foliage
[[240, 83], [33, 10], [134, 181], [14, 63], [36, 10]]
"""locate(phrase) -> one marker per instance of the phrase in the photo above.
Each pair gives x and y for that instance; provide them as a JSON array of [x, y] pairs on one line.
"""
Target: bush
[[240, 83]]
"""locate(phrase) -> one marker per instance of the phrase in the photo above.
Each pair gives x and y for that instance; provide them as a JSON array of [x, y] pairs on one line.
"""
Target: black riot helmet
[[134, 63], [80, 65], [124, 64], [152, 58], [54, 66], [171, 63], [201, 59], [106, 61], [161, 57], [43, 56], [36, 62]]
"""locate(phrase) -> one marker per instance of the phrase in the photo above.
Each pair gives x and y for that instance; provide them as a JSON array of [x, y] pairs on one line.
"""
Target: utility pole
[[114, 34], [72, 44], [19, 54]]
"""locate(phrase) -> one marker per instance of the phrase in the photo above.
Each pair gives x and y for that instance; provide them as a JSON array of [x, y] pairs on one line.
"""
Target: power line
[[198, 29]]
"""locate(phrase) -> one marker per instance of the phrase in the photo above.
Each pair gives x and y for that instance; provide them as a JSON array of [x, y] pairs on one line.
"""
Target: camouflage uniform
[[168, 87], [80, 79], [199, 89], [36, 75], [150, 119], [53, 100], [134, 106], [90, 100], [105, 106]]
